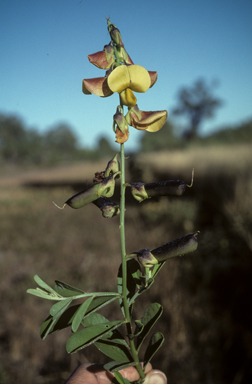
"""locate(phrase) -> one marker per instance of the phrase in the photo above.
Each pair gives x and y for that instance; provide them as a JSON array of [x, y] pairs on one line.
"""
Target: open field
[[206, 295]]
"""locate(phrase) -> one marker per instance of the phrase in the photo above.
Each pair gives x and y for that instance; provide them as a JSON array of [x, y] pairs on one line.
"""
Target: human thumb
[[155, 377]]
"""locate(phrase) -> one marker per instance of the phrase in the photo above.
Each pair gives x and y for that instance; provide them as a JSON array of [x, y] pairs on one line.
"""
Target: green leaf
[[144, 325], [48, 325], [89, 335], [43, 294], [157, 268], [99, 302], [67, 290], [155, 271], [95, 319], [115, 346], [59, 306], [45, 286], [114, 351], [114, 366], [63, 322], [135, 271], [155, 343], [121, 379], [80, 313]]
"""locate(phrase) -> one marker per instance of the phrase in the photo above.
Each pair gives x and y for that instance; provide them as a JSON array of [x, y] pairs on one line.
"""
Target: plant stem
[[124, 266]]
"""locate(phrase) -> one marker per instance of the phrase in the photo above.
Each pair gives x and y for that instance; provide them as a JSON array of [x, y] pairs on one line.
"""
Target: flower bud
[[107, 207], [125, 56], [113, 166], [122, 137], [115, 35], [119, 119], [148, 258], [120, 126]]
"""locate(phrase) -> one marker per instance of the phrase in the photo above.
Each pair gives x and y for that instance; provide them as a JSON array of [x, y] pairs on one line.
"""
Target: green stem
[[124, 266]]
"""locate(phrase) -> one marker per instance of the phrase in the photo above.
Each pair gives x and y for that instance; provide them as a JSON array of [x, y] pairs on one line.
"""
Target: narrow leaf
[[47, 327], [155, 343], [43, 294], [121, 379], [157, 268], [135, 271], [63, 322], [98, 303], [95, 319], [152, 314], [89, 335], [80, 314], [114, 351], [67, 290], [42, 284], [59, 306], [114, 366]]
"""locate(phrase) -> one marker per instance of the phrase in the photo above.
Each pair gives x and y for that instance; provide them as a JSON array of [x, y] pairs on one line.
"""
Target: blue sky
[[44, 44]]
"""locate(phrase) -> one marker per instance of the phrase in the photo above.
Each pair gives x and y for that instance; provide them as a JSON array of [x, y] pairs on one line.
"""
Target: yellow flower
[[124, 79]]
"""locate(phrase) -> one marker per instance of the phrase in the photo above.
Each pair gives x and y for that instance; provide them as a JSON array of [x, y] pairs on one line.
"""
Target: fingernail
[[156, 377]]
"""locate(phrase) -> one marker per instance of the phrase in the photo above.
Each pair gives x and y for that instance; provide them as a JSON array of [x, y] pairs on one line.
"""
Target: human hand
[[88, 373]]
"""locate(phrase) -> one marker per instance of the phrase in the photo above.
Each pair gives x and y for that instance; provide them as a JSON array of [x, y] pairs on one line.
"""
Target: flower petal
[[119, 79], [153, 77], [149, 121], [154, 120], [98, 86], [139, 78], [102, 59], [128, 98]]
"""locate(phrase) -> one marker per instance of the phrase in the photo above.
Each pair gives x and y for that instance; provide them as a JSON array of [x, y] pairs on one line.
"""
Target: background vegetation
[[206, 295]]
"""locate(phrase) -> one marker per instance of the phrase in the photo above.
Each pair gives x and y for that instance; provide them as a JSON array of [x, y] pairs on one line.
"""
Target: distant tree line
[[23, 146], [168, 139], [196, 103]]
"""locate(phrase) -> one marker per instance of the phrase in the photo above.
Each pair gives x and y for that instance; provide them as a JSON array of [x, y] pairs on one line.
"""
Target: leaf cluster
[[88, 326]]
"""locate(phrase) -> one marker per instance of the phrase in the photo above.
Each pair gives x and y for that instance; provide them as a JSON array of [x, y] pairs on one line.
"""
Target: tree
[[104, 147], [12, 139], [196, 103], [60, 143]]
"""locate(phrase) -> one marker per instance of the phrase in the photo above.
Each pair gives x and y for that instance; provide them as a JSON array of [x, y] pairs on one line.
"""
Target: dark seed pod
[[165, 188], [178, 247], [142, 191], [107, 207], [148, 258], [103, 189]]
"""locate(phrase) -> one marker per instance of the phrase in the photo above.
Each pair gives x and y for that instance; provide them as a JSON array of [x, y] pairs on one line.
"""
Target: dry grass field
[[206, 295]]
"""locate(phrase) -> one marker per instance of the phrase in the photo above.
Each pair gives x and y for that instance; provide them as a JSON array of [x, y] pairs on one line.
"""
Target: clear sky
[[44, 44]]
